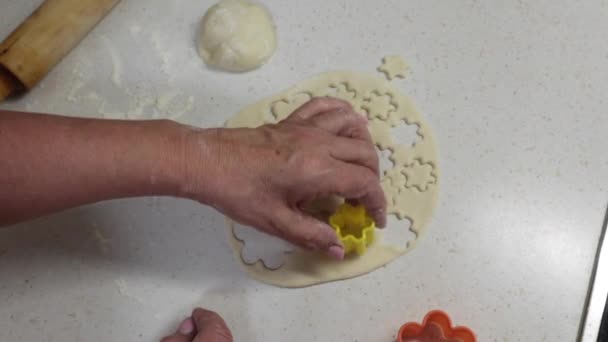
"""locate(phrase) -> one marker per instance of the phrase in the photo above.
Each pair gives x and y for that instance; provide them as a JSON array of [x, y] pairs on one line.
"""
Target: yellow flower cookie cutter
[[355, 228]]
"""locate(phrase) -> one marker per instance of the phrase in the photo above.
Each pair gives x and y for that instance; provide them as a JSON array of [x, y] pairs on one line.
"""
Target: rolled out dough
[[411, 184]]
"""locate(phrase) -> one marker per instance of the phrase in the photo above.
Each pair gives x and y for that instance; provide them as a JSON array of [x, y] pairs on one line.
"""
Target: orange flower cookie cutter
[[354, 227], [436, 327]]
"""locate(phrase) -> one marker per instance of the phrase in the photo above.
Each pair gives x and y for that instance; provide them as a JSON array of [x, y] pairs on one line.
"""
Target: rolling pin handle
[[43, 39], [9, 84]]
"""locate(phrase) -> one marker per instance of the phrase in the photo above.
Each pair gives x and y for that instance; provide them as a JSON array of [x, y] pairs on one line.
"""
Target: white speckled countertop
[[516, 92]]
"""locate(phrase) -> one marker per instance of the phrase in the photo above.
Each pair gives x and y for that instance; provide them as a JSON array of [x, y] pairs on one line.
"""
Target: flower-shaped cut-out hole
[[385, 160], [406, 134], [399, 233], [436, 327], [262, 247]]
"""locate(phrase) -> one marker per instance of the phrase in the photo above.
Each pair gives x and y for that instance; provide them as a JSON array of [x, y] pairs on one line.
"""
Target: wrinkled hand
[[263, 177], [202, 326]]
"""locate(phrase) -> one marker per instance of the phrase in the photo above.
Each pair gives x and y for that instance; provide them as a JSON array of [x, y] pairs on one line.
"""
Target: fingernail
[[186, 327], [336, 252], [380, 218]]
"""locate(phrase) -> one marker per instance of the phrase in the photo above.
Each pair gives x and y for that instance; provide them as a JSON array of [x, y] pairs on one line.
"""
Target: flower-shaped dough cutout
[[393, 66], [342, 91], [392, 183], [283, 108], [397, 177], [262, 247], [379, 105], [419, 175]]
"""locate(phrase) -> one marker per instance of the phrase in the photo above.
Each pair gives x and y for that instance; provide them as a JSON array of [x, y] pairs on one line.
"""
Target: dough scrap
[[237, 36], [394, 66], [411, 184]]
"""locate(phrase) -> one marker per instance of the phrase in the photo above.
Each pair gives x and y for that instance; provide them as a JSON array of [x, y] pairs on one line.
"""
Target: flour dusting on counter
[[132, 101]]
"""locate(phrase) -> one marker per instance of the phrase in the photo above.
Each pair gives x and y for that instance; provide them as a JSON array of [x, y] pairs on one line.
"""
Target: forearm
[[259, 177], [50, 163]]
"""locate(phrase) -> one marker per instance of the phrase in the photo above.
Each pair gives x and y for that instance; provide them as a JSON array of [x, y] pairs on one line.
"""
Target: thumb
[[185, 332], [307, 232], [211, 327]]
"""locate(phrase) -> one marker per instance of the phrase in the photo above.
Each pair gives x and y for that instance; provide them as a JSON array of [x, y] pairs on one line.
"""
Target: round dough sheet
[[410, 185]]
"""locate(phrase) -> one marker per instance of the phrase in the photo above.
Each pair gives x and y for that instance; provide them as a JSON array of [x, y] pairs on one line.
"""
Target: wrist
[[162, 162], [197, 165]]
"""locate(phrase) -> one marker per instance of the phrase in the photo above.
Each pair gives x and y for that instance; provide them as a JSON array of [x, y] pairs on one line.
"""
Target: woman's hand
[[262, 177], [202, 326]]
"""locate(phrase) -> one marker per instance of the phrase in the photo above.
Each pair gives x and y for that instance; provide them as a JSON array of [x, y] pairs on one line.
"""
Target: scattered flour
[[102, 241], [123, 290], [139, 101], [117, 67]]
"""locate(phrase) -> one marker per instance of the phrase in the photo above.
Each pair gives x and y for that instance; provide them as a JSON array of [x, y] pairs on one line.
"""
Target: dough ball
[[237, 35]]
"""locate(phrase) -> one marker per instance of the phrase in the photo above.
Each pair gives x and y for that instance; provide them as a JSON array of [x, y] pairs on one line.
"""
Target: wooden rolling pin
[[43, 39]]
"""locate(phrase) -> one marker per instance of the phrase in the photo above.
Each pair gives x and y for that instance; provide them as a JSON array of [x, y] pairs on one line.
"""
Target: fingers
[[211, 327], [343, 122], [356, 152], [185, 332], [337, 118], [207, 325], [316, 106], [307, 232], [358, 184], [339, 121]]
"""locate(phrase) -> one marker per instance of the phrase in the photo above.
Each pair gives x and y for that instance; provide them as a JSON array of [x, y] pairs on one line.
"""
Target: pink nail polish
[[336, 252], [186, 327]]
